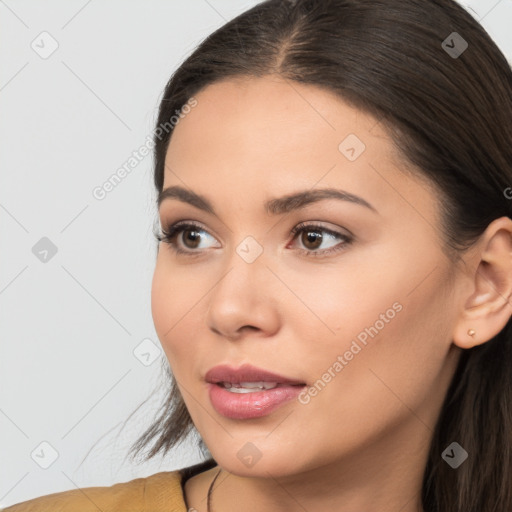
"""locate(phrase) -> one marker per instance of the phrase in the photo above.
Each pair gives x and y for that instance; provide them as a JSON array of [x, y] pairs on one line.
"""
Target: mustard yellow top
[[161, 492]]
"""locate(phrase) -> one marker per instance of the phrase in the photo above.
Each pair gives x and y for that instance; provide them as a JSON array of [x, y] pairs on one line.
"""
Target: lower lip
[[242, 406]]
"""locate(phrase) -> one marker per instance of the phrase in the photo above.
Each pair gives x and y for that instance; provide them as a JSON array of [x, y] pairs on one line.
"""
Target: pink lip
[[249, 405], [245, 373]]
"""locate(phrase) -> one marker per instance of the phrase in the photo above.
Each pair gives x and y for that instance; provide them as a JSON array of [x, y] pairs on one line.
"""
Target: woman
[[333, 280]]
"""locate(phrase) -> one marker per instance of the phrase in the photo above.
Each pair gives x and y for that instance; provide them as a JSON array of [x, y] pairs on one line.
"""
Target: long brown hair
[[450, 117]]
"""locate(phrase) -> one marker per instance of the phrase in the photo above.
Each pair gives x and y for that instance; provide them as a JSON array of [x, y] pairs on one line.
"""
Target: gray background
[[78, 349]]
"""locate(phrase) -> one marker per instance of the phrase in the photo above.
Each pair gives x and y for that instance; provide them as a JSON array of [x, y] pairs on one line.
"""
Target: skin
[[361, 443]]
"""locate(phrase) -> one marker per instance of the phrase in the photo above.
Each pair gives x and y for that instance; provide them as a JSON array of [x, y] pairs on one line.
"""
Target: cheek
[[172, 301], [386, 351], [392, 318], [349, 337], [333, 307]]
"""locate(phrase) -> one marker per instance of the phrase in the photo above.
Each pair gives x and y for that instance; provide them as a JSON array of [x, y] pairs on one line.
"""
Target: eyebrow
[[278, 206]]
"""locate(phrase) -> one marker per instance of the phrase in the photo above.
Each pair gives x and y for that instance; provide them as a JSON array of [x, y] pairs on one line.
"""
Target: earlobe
[[488, 307]]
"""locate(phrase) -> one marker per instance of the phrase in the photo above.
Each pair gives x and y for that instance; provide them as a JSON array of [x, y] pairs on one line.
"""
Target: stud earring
[[471, 332]]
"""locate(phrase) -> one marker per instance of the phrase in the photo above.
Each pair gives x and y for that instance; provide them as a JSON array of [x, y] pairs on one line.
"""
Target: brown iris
[[311, 237], [194, 237]]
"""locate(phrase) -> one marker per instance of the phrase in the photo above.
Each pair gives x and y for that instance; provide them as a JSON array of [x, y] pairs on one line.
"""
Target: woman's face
[[360, 306]]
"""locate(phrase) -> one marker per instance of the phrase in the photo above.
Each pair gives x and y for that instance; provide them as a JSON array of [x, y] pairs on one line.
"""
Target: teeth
[[248, 387]]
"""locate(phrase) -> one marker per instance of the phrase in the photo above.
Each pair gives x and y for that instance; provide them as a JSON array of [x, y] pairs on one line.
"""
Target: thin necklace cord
[[209, 496]]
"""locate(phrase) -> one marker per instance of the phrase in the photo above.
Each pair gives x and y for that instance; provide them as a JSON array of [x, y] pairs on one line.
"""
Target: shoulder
[[159, 492]]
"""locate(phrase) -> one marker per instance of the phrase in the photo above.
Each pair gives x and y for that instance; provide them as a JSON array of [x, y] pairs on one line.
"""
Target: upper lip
[[246, 373]]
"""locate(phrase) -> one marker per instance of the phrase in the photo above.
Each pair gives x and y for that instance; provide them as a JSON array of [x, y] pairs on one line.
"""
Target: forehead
[[268, 120], [271, 135], [272, 104]]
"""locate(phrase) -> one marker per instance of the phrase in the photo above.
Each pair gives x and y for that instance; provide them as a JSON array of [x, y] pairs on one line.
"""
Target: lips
[[248, 392], [247, 373]]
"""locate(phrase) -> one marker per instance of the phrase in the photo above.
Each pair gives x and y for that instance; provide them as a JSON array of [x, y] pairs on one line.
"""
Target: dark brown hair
[[450, 118]]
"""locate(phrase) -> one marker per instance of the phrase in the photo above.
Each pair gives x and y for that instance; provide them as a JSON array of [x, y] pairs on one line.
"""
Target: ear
[[488, 306]]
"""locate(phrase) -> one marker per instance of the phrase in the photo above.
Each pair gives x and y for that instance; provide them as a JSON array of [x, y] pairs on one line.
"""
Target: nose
[[245, 299]]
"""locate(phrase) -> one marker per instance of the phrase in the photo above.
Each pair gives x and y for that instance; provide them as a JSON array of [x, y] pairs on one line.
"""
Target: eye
[[188, 234], [312, 236]]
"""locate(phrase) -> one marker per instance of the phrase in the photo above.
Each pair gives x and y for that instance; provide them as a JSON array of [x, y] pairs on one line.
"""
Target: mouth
[[248, 377], [254, 387], [244, 403], [248, 392]]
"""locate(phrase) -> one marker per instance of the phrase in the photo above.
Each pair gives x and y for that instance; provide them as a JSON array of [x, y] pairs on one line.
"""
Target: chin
[[264, 462]]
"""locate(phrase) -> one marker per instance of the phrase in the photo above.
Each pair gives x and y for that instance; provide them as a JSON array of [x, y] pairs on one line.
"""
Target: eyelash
[[167, 236]]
